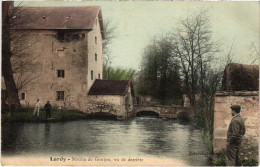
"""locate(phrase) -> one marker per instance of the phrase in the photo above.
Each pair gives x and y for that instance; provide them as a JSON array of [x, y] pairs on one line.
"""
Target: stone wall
[[95, 49], [121, 106], [52, 55], [222, 117]]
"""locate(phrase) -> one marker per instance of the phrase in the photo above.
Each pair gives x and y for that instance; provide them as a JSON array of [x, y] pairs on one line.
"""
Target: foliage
[[220, 160], [111, 73], [159, 74], [252, 161], [56, 115], [204, 108], [110, 29], [172, 101]]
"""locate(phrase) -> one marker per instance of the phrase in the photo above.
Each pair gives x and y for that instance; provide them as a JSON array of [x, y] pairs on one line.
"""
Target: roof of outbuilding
[[110, 87], [54, 18], [241, 77]]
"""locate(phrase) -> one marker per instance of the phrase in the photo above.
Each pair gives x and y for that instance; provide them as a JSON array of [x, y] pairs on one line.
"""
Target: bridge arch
[[140, 110]]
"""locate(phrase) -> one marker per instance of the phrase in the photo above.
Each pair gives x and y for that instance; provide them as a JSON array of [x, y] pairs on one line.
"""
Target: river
[[139, 137]]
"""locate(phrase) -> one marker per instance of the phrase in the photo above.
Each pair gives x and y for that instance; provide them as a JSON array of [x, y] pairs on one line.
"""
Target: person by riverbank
[[47, 108], [37, 108], [236, 131]]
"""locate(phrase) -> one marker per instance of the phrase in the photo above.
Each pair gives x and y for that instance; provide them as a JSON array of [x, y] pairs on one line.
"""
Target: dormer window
[[60, 35]]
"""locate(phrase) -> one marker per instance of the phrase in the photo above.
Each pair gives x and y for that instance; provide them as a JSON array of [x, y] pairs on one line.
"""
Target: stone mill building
[[63, 46]]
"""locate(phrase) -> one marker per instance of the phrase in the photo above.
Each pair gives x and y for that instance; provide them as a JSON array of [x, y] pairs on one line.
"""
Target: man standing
[[37, 107], [47, 108], [236, 131]]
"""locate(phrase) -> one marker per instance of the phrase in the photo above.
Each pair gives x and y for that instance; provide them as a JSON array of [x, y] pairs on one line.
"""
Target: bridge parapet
[[170, 112]]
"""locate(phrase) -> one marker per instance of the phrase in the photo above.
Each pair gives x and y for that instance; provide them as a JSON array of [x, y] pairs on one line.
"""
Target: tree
[[110, 36], [159, 73], [254, 53], [118, 73], [193, 45], [24, 64], [6, 57]]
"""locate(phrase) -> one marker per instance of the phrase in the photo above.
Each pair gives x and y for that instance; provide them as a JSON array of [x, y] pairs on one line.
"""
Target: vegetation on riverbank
[[112, 73], [26, 115], [220, 160]]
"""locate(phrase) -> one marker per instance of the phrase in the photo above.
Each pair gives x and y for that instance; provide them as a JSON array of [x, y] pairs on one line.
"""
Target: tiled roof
[[241, 77], [53, 18], [110, 87]]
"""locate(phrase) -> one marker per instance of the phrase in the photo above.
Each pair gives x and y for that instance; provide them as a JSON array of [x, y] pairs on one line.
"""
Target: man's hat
[[235, 107], [48, 101]]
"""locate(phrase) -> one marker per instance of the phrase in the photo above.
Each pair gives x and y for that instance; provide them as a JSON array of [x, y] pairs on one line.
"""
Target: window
[[60, 73], [22, 96], [60, 35], [92, 75], [98, 76], [96, 40], [60, 95], [95, 57]]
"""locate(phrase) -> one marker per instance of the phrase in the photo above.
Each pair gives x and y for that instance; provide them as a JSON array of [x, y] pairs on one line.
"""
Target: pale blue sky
[[137, 22]]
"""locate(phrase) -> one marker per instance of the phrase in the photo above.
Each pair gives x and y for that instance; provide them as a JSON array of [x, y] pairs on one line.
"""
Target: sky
[[137, 22]]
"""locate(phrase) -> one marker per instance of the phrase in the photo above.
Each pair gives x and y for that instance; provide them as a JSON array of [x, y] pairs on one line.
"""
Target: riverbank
[[26, 115]]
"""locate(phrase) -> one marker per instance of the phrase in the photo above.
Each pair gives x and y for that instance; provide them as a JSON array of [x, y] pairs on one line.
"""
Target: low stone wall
[[249, 111]]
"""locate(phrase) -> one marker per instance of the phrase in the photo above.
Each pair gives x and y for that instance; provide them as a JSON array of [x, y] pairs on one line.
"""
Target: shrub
[[172, 102], [220, 160], [251, 161]]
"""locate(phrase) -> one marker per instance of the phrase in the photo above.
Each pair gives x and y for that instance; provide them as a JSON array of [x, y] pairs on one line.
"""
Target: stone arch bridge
[[170, 112]]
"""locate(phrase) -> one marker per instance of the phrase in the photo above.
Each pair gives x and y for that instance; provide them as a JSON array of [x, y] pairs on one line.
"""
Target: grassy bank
[[26, 115]]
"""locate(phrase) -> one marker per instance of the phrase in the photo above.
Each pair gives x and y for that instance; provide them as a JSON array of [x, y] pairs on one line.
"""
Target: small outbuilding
[[111, 96]]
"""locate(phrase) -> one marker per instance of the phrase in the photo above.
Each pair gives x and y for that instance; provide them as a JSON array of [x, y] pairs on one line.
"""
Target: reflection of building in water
[[240, 87], [57, 53]]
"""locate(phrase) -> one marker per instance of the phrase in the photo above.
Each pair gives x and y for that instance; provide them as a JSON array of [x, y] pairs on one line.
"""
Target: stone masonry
[[248, 100]]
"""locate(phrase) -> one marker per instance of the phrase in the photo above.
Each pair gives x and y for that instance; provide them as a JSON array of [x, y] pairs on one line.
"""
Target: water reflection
[[142, 136]]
